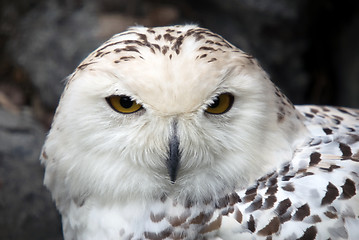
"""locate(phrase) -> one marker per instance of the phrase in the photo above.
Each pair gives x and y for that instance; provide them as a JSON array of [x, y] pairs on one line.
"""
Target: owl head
[[168, 111]]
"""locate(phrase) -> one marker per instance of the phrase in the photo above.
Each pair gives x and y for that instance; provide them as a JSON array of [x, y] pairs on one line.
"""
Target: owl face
[[161, 111]]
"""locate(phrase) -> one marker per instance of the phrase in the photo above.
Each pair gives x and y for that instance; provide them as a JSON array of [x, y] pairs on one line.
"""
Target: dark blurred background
[[309, 48]]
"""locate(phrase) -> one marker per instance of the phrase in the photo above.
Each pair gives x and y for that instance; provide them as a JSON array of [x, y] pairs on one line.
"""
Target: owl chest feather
[[161, 219]]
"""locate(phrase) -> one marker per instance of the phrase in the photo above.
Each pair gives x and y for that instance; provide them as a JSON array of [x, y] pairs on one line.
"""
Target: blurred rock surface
[[26, 208], [50, 41]]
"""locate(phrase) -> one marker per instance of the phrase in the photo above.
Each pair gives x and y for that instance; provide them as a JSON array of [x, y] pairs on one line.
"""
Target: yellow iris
[[123, 104], [221, 104]]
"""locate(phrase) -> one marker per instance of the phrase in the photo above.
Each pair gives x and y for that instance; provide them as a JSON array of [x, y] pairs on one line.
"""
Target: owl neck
[[290, 130]]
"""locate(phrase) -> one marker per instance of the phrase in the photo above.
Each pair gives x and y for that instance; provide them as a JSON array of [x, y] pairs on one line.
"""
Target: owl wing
[[314, 196]]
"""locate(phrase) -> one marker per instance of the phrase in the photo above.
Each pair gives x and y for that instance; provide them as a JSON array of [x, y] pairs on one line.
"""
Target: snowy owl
[[174, 133]]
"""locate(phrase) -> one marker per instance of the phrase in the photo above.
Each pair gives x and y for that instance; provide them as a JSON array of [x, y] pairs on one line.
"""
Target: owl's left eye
[[123, 104], [221, 104]]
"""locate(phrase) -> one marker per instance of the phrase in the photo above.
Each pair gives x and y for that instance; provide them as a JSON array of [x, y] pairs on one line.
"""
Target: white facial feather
[[98, 151]]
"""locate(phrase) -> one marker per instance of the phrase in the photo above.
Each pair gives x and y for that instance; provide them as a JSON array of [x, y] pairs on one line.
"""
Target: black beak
[[174, 154]]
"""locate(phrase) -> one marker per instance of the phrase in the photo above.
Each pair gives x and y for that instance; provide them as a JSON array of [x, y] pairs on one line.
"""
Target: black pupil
[[215, 103], [126, 102]]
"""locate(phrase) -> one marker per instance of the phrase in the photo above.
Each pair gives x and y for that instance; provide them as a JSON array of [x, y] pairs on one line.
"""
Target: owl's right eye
[[123, 104], [221, 104]]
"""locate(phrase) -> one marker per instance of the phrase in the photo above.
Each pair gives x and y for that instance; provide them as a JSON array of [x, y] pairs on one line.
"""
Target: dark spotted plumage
[[314, 196]]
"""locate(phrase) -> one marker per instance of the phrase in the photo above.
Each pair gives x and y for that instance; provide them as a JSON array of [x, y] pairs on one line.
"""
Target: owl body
[[174, 133]]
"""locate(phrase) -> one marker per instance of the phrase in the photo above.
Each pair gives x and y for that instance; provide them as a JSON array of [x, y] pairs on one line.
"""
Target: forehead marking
[[169, 37], [150, 30], [212, 60], [125, 58], [165, 49], [128, 49], [142, 40], [154, 39], [177, 44], [83, 66]]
